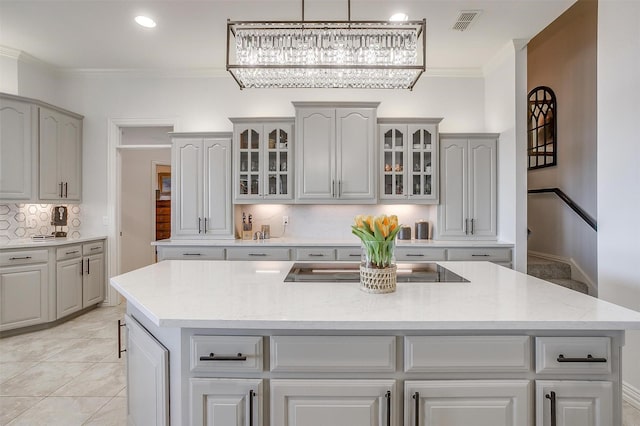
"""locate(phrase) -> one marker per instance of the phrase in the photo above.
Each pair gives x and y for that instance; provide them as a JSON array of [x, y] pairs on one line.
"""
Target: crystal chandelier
[[318, 54]]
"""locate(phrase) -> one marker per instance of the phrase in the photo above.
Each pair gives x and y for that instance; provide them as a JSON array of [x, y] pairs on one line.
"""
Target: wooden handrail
[[576, 208]]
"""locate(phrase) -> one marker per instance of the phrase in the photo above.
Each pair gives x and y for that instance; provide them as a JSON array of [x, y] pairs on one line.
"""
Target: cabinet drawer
[[315, 254], [351, 254], [193, 253], [466, 353], [24, 257], [258, 253], [492, 254], [573, 355], [416, 254], [68, 252], [333, 353], [226, 353], [92, 248]]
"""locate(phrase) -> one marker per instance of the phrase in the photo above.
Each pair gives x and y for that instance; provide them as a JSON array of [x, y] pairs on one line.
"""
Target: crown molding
[[454, 72], [22, 56], [146, 72]]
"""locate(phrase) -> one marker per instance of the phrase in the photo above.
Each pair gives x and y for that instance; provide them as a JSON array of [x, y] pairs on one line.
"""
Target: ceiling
[[191, 35]]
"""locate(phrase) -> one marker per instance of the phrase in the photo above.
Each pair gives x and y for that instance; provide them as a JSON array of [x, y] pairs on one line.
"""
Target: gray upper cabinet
[[468, 172], [408, 166], [263, 157], [60, 156], [18, 145], [336, 152]]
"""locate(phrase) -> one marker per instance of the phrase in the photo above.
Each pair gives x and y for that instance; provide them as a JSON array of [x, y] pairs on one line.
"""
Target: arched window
[[542, 128]]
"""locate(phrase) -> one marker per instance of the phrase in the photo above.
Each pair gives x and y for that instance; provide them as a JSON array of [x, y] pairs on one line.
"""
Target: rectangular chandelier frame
[[326, 75]]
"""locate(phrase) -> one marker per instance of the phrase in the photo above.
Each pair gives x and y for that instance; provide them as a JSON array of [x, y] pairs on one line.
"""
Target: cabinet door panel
[[50, 122], [147, 377], [23, 296], [355, 153], [316, 154], [16, 144], [70, 157], [69, 286], [482, 187], [93, 280], [332, 402], [452, 214], [577, 403], [467, 402], [187, 156], [217, 187], [226, 402]]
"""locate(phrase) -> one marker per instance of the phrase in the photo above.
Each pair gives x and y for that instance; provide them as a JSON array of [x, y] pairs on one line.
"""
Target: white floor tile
[[10, 369], [60, 411], [114, 413], [101, 379], [42, 379], [12, 406]]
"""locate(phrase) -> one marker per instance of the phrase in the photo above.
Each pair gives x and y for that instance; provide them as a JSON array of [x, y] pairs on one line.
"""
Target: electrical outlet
[[285, 220]]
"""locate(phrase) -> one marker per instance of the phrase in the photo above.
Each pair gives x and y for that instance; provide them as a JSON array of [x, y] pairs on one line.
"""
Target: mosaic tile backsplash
[[24, 220]]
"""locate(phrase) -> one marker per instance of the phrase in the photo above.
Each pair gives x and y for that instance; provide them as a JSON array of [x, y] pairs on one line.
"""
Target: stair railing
[[576, 208]]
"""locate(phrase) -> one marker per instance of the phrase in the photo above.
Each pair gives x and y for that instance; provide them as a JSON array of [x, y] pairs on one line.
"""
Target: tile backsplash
[[24, 220]]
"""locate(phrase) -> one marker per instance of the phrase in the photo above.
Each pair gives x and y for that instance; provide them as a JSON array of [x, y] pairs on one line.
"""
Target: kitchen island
[[232, 342]]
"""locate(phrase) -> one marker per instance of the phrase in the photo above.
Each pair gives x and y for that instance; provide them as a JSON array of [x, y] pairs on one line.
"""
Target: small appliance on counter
[[422, 230], [59, 219], [404, 233], [247, 227]]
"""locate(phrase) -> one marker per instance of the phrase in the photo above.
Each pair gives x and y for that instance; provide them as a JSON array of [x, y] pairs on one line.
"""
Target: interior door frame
[[114, 138]]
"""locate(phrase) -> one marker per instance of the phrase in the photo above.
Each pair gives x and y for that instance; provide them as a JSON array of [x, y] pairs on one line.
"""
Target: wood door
[[218, 210], [69, 286], [355, 154], [453, 208], [147, 377], [333, 402], [70, 157], [163, 219], [467, 402], [315, 154], [577, 403], [482, 188], [93, 280], [187, 197], [228, 402], [16, 155], [25, 296]]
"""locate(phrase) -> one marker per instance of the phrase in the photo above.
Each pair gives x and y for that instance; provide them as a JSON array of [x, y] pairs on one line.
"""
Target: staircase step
[[547, 269], [572, 284]]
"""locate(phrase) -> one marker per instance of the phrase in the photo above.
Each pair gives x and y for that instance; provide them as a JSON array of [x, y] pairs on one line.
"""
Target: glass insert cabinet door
[[263, 155], [408, 162]]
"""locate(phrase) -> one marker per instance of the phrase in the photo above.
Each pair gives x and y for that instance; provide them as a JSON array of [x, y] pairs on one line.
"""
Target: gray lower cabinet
[[69, 286], [574, 403], [24, 286], [80, 277], [147, 377], [228, 402]]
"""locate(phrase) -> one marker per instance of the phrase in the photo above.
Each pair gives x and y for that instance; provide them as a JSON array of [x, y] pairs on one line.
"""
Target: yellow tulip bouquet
[[377, 234]]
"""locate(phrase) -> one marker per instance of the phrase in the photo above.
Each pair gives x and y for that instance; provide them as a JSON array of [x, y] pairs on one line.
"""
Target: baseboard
[[577, 273], [631, 395]]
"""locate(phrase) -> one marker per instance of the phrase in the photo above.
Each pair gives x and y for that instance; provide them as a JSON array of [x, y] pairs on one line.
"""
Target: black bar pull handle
[[66, 187], [414, 255], [258, 254], [316, 255], [71, 252], [60, 189], [589, 358], [552, 397], [355, 255], [480, 255], [199, 225], [192, 254], [88, 267], [20, 258], [416, 397], [205, 225], [214, 357], [388, 397], [472, 226], [251, 395], [120, 350]]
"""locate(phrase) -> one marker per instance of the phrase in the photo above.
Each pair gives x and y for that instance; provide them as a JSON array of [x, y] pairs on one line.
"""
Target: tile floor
[[66, 375], [71, 375]]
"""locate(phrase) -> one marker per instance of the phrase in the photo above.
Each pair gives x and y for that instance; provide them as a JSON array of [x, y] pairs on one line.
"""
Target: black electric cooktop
[[350, 272]]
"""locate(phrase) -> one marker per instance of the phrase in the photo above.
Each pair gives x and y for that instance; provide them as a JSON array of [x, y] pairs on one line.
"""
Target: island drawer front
[[467, 353], [416, 254], [258, 253], [315, 254], [24, 257], [93, 248], [68, 252], [580, 355], [351, 254], [191, 253], [226, 353], [333, 353], [492, 254]]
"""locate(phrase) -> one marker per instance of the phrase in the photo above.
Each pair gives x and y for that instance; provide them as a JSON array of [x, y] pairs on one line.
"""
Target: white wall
[[505, 109], [618, 159], [8, 73]]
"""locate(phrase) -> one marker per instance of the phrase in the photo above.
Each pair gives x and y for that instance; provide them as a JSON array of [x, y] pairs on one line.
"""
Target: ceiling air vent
[[465, 19]]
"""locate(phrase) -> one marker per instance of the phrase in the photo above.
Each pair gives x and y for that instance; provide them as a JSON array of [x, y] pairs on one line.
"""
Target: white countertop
[[29, 243], [315, 242], [252, 295]]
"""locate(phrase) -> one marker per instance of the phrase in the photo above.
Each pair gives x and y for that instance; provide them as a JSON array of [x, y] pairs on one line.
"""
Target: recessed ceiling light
[[399, 17], [145, 21]]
